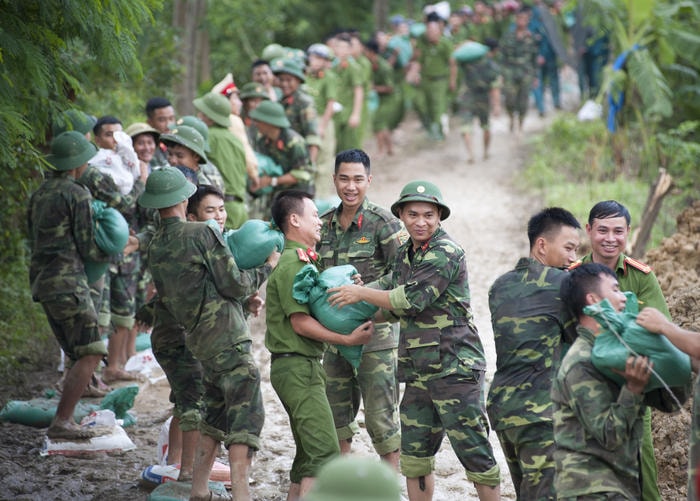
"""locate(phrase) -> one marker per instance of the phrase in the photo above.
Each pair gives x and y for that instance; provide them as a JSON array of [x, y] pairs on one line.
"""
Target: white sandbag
[[115, 441], [589, 111]]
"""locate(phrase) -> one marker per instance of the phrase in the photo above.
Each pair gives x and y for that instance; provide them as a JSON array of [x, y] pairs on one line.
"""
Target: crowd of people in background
[[264, 150]]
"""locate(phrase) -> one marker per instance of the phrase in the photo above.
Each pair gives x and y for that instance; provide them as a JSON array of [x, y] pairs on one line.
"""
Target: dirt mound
[[676, 263]]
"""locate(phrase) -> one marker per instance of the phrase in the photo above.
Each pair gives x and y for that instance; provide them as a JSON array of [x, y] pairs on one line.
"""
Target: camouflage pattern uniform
[[479, 77], [370, 244], [296, 372], [637, 277], [61, 238], [160, 157], [518, 62], [228, 154], [290, 153], [530, 328], [203, 290], [597, 428], [441, 359], [301, 113]]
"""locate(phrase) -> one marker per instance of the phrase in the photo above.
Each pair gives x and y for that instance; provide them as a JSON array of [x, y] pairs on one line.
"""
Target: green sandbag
[[253, 242], [267, 167], [609, 352], [95, 270], [416, 30], [120, 401], [143, 341], [111, 235], [310, 287], [39, 412], [469, 51], [180, 491]]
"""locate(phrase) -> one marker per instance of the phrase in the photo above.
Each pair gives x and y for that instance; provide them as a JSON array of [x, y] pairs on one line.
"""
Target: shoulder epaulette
[[301, 254], [638, 265], [327, 212], [380, 211], [575, 265]]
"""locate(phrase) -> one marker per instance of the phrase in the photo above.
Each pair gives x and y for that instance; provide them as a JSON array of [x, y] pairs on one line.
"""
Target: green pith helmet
[[253, 89], [187, 137], [70, 150], [421, 191], [73, 120], [270, 112], [216, 107], [349, 478], [272, 51], [289, 66], [198, 125], [166, 187], [138, 128]]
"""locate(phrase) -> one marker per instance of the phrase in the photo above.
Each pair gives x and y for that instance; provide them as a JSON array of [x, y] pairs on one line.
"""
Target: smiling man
[[608, 228]]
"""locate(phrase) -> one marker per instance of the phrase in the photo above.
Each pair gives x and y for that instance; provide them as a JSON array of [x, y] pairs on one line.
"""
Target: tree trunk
[[381, 14], [188, 16], [658, 191]]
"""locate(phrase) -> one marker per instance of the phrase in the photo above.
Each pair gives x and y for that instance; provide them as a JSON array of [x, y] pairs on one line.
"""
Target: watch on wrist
[[273, 181]]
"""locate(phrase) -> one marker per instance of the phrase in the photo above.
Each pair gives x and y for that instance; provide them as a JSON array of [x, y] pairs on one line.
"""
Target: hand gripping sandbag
[[253, 242], [671, 364], [469, 52], [111, 235], [267, 167], [310, 287]]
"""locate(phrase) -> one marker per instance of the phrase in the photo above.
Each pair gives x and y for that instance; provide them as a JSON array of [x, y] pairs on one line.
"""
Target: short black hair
[[608, 208], [285, 203], [372, 45], [351, 157], [581, 281], [105, 120], [202, 191], [547, 220], [156, 103], [259, 62]]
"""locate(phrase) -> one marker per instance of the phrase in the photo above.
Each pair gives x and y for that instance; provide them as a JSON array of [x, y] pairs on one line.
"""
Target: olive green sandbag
[[111, 235], [671, 364], [310, 287], [39, 412]]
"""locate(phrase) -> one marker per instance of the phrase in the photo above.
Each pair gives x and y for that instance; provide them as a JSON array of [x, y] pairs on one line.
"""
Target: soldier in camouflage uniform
[[597, 424], [367, 236], [297, 341], [227, 153], [203, 290], [480, 78], [61, 238], [531, 328], [518, 50], [298, 105], [441, 358], [186, 153], [287, 148]]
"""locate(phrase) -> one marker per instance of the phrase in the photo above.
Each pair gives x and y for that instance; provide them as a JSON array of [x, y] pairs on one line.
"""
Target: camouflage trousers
[[119, 297], [517, 94], [233, 406], [600, 496], [73, 320], [300, 383], [183, 371], [454, 405], [529, 451], [474, 105], [375, 383]]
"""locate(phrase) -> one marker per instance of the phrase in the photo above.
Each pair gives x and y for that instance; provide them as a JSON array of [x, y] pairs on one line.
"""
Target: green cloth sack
[[39, 412], [267, 167], [120, 401], [469, 52], [111, 235], [180, 491], [310, 287], [253, 242], [609, 352]]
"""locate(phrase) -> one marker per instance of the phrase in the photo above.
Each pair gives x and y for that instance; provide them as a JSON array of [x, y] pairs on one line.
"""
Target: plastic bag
[[589, 111], [120, 401], [115, 441], [671, 364], [310, 287], [253, 242], [469, 51]]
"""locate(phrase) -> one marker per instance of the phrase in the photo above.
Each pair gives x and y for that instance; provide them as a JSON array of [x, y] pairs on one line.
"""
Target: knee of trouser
[[490, 477], [189, 420], [349, 431], [123, 320], [414, 467]]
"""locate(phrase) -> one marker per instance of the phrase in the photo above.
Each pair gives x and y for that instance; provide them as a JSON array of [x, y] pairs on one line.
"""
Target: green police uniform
[[323, 88], [385, 114], [433, 91], [637, 277], [370, 244], [228, 154], [530, 327], [349, 77], [296, 373], [518, 63]]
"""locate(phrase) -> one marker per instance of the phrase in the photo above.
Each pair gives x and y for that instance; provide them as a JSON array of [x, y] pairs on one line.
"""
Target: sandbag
[[416, 30], [671, 364], [39, 412], [114, 441], [267, 167], [120, 401], [310, 287], [111, 235], [253, 242], [469, 52], [180, 491]]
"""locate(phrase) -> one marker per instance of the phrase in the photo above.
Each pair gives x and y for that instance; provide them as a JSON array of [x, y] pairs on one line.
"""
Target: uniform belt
[[233, 198], [275, 356]]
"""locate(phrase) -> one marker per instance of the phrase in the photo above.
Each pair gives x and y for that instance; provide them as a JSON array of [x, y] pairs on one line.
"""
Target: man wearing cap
[[252, 94], [297, 341], [441, 358], [287, 149], [209, 172], [160, 115], [227, 153], [368, 237], [61, 238], [298, 105], [202, 289]]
